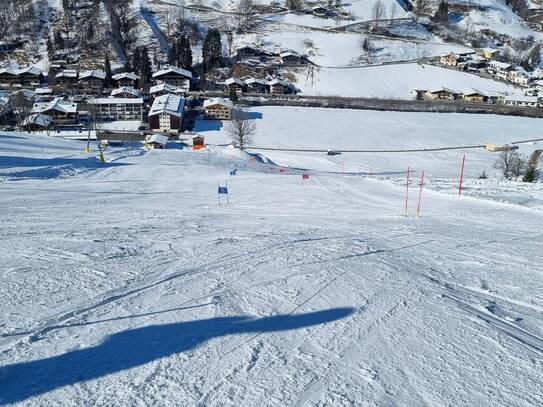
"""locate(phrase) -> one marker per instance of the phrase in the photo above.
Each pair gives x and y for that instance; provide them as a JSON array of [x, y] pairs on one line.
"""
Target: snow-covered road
[[128, 285]]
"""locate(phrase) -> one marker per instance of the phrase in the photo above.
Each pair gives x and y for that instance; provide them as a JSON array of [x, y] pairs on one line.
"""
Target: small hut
[[198, 142]]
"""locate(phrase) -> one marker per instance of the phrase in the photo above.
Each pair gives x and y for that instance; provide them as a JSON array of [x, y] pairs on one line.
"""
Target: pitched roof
[[126, 89], [169, 103], [116, 101], [157, 138], [125, 75], [164, 87], [67, 73], [218, 101], [250, 81], [95, 73], [174, 70], [57, 104], [39, 119], [231, 81]]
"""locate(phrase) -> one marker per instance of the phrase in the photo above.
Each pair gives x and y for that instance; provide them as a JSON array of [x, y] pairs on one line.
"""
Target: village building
[[164, 89], [198, 142], [156, 141], [440, 94], [280, 87], [92, 79], [255, 85], [36, 122], [473, 95], [166, 113], [67, 77], [292, 58], [218, 109], [450, 59], [114, 108], [489, 53], [522, 101], [235, 84], [126, 92], [519, 76], [499, 69], [248, 51], [126, 79], [62, 112], [29, 76], [319, 11], [174, 76]]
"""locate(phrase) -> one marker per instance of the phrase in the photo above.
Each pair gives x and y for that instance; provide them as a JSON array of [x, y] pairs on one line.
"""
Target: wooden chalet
[[61, 112], [255, 85], [234, 83], [218, 109], [93, 79], [174, 76], [126, 79]]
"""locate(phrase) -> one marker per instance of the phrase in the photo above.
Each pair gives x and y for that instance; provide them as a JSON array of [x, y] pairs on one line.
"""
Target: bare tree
[[245, 11], [241, 129], [511, 164], [378, 12], [392, 11]]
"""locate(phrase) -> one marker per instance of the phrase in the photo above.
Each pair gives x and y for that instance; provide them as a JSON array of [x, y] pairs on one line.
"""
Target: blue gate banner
[[223, 190]]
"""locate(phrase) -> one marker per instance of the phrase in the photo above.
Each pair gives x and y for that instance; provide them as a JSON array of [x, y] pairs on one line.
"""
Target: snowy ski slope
[[127, 284]]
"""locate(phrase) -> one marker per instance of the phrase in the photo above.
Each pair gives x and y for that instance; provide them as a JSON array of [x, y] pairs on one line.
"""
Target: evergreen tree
[[59, 41], [233, 95], [212, 48], [50, 49], [146, 68], [442, 13], [107, 70], [184, 53], [136, 61]]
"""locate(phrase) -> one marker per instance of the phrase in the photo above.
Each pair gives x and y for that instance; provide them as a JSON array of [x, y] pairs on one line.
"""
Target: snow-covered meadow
[[126, 283]]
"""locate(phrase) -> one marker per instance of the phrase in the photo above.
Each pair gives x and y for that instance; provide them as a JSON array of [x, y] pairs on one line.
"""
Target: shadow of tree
[[135, 347]]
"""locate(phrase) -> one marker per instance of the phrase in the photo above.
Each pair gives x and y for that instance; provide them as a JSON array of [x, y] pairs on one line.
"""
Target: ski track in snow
[[440, 314]]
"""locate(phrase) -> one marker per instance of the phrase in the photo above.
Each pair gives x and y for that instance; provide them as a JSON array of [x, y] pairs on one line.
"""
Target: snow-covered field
[[126, 284], [401, 80]]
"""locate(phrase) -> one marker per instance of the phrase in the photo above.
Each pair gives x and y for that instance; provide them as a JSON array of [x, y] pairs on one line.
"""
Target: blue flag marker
[[223, 190]]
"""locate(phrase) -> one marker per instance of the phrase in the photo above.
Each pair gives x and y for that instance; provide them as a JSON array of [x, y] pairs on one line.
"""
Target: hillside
[[137, 287]]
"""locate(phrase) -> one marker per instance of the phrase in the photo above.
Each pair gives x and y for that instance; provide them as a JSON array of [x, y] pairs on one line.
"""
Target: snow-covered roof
[[218, 101], [499, 65], [125, 75], [165, 87], [521, 98], [490, 50], [472, 92], [43, 91], [279, 82], [116, 101], [174, 70], [157, 138], [127, 90], [56, 104], [169, 103], [14, 69], [67, 73], [250, 81], [39, 119], [442, 89], [231, 81], [95, 73]]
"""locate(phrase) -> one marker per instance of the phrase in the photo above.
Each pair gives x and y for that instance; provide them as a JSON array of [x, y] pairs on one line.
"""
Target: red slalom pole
[[461, 176], [420, 192], [407, 189]]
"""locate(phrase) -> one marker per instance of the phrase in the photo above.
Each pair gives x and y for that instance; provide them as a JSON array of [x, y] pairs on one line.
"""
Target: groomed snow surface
[[126, 283]]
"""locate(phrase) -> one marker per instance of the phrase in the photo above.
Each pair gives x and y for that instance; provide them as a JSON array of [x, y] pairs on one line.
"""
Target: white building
[[166, 113], [117, 108]]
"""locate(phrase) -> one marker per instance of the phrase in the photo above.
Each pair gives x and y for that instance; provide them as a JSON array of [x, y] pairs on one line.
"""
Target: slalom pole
[[218, 195], [461, 176], [227, 193], [420, 193], [407, 190]]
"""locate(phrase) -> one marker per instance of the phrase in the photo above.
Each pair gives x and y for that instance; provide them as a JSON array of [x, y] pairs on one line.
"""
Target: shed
[[198, 142], [156, 141]]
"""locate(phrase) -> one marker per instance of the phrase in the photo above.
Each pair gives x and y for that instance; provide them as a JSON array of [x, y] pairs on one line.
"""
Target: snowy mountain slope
[[139, 289]]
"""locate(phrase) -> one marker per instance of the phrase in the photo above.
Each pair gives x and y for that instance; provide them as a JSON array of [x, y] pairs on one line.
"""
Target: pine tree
[[233, 95], [59, 41], [212, 48], [50, 49], [184, 53], [107, 70], [442, 13], [146, 68]]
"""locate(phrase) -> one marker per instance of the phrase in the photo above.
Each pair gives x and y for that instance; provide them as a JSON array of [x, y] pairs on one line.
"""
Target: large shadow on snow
[[46, 168], [136, 347]]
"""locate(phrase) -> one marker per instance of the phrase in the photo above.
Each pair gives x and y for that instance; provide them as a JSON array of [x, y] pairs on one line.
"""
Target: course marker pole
[[407, 189], [420, 193], [461, 176]]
